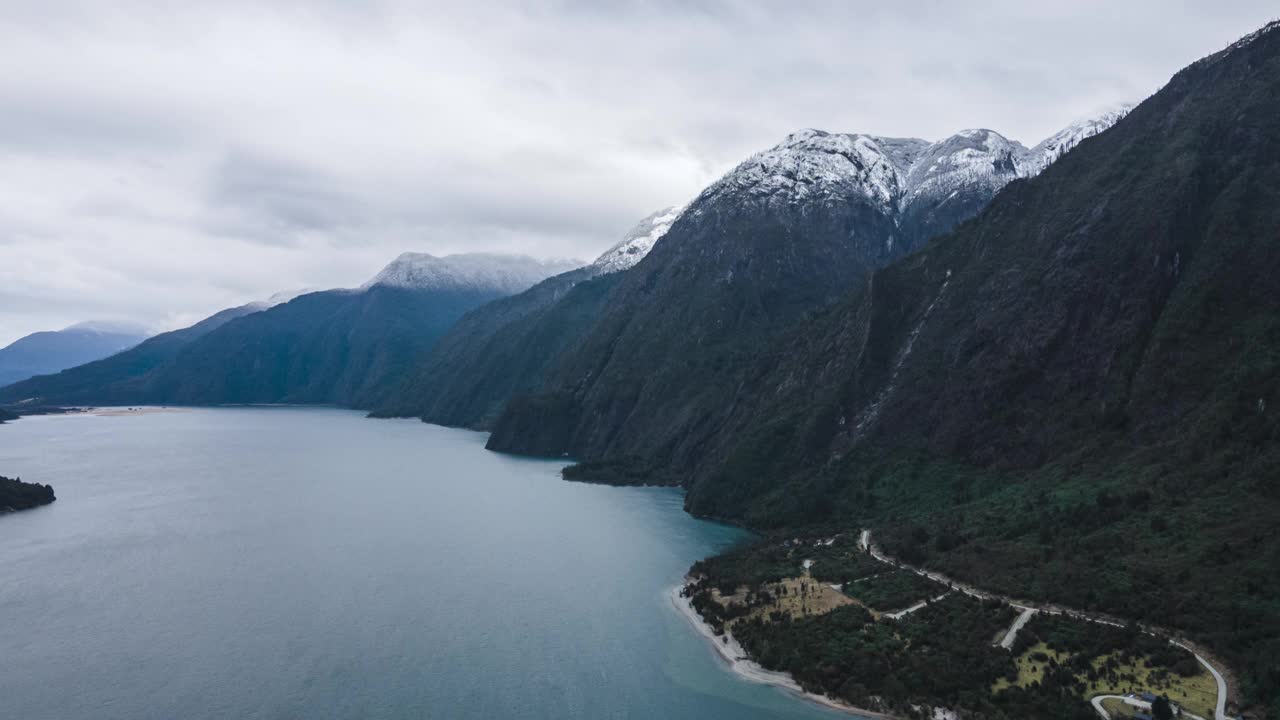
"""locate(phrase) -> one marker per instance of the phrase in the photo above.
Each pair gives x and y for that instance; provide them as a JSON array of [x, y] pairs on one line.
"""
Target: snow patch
[[637, 243], [1057, 144], [508, 274], [892, 174]]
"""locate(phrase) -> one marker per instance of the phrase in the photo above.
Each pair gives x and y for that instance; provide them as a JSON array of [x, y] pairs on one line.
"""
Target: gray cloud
[[160, 163]]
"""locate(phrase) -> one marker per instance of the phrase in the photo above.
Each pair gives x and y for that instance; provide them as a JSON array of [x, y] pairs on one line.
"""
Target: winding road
[[1220, 711]]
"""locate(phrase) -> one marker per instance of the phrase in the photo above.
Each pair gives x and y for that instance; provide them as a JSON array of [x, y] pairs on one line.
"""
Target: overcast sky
[[159, 164]]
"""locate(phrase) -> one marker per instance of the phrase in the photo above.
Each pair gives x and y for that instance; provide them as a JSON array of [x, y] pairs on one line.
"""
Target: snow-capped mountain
[[279, 298], [508, 274], [813, 162], [1057, 144], [897, 175], [637, 243], [978, 158], [791, 229], [44, 353]]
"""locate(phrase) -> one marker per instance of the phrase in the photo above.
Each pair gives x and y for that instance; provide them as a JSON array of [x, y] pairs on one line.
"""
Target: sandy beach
[[125, 411], [733, 654]]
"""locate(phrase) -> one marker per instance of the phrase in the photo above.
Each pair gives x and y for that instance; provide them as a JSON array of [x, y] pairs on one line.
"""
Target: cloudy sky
[[159, 164]]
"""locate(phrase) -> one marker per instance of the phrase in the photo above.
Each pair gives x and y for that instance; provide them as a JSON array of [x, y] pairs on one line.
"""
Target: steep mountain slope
[[338, 346], [118, 378], [1071, 397], [504, 348], [1057, 144], [341, 346], [785, 233], [952, 180], [637, 242], [48, 352]]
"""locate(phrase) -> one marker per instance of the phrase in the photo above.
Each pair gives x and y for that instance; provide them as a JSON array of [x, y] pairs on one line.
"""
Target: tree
[[1161, 709]]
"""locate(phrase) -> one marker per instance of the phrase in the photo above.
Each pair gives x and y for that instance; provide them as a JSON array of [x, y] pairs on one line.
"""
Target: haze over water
[[310, 563]]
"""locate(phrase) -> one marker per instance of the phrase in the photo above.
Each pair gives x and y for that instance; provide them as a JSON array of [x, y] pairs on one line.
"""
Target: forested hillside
[[1072, 396]]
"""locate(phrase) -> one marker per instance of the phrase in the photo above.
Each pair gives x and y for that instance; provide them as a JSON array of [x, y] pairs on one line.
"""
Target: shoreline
[[736, 658]]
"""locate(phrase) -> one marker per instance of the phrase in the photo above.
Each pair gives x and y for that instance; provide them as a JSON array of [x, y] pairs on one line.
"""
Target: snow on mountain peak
[[974, 158], [810, 162], [508, 274], [279, 298], [1057, 144], [638, 242], [893, 173]]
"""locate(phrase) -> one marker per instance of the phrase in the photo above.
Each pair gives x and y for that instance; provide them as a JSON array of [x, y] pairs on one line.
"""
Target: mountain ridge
[[336, 346], [785, 233], [505, 348], [50, 351]]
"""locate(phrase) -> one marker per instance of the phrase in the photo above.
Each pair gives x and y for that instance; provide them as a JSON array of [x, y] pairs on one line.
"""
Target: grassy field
[[796, 596], [1196, 693], [1030, 670]]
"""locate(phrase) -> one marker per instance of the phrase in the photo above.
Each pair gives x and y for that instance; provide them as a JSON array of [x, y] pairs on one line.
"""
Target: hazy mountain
[[334, 346], [468, 272], [118, 378], [47, 352], [504, 348]]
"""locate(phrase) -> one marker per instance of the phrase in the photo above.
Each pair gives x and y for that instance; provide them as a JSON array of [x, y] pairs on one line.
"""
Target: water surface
[[310, 563]]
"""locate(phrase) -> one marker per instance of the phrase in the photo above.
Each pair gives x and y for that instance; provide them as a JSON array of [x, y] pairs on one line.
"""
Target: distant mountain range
[[335, 346], [47, 352], [872, 199]]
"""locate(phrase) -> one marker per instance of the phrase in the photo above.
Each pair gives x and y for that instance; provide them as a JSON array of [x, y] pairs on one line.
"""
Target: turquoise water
[[310, 563]]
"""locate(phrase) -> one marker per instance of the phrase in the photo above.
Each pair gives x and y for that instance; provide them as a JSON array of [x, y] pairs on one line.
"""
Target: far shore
[[138, 410]]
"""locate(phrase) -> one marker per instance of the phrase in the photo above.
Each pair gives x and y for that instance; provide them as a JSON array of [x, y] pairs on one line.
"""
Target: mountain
[[119, 378], [504, 348], [484, 273], [637, 242], [786, 233], [47, 352], [1057, 144], [334, 346], [1072, 397]]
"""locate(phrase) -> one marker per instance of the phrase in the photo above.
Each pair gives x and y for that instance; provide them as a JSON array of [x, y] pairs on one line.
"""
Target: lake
[[311, 563]]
